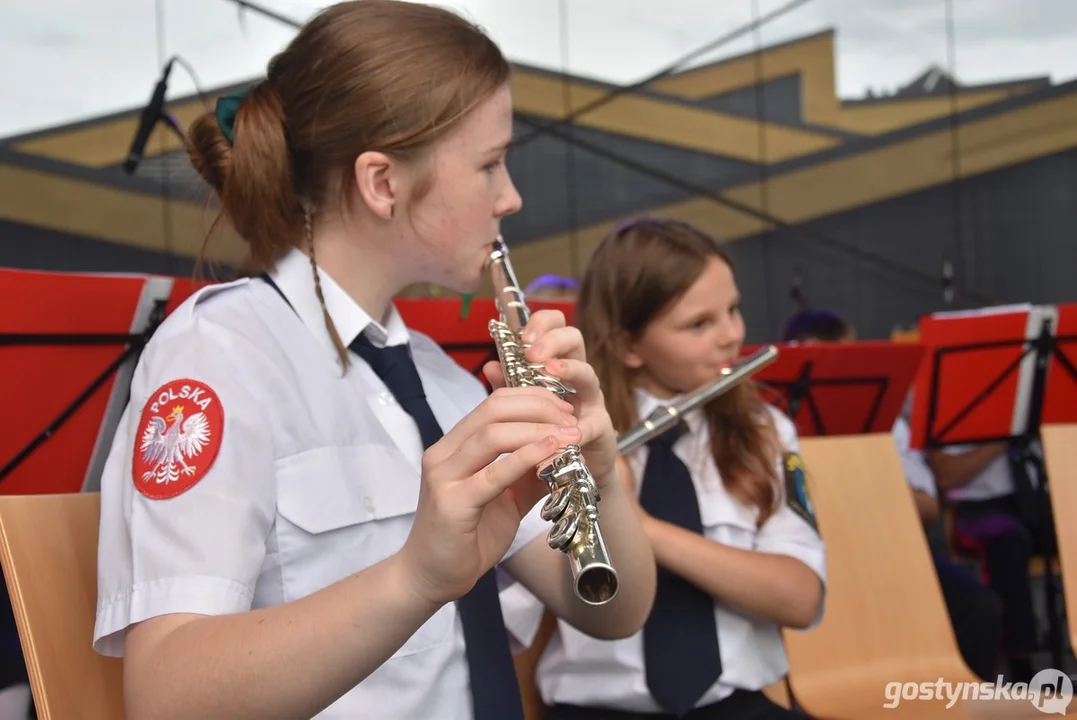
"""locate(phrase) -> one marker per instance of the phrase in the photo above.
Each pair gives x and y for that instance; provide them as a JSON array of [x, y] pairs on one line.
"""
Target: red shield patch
[[178, 437]]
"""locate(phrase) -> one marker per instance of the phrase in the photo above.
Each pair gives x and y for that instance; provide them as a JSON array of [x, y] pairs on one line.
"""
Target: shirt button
[[368, 504], [386, 398]]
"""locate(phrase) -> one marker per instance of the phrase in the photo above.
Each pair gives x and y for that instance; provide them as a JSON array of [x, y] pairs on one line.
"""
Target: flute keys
[[555, 505], [563, 531]]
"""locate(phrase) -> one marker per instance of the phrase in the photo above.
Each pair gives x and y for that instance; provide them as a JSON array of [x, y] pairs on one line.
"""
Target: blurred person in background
[[15, 700], [976, 611], [552, 287]]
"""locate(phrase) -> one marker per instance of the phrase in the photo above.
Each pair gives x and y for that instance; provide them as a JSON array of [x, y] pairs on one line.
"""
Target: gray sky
[[67, 60]]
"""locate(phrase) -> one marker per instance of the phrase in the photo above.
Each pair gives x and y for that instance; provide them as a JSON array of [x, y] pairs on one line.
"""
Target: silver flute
[[663, 418], [572, 506]]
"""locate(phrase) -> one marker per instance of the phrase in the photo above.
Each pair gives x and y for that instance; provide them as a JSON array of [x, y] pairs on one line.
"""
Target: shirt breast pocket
[[726, 521], [341, 510]]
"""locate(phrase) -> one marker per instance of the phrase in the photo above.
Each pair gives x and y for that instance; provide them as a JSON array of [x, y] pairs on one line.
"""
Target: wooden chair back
[[1060, 458], [885, 620], [48, 550]]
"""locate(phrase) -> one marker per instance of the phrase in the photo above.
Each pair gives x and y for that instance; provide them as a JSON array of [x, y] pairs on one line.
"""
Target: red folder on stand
[[466, 336], [840, 388], [995, 374], [998, 374], [68, 343]]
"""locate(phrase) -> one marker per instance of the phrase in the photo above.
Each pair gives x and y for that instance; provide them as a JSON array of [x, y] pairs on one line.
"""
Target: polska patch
[[179, 435], [796, 489]]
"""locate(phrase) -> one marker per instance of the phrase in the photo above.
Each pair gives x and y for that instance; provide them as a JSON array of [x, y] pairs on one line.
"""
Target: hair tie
[[227, 107]]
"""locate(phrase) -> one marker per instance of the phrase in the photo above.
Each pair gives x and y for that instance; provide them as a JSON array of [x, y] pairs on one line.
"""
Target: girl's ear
[[375, 179], [629, 356]]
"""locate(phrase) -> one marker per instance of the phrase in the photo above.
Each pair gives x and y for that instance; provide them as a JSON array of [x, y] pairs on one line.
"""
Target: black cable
[[268, 13], [616, 92], [554, 129], [571, 198], [198, 87], [620, 90], [166, 174], [764, 163], [166, 183], [955, 150], [715, 197]]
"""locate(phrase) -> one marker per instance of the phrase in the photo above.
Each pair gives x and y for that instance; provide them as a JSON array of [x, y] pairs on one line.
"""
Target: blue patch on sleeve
[[796, 489]]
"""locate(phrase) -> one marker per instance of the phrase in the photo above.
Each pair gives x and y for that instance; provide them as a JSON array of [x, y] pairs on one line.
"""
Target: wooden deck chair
[[526, 664], [885, 619], [779, 694], [1060, 458], [48, 550]]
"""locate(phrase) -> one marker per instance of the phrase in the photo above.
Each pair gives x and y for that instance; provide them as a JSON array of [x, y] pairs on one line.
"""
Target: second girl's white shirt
[[579, 670]]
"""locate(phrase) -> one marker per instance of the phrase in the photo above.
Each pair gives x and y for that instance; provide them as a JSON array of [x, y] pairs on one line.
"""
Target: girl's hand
[[561, 349], [471, 500]]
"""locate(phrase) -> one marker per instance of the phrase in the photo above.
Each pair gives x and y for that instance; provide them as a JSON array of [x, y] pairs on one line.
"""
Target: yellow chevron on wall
[[831, 174]]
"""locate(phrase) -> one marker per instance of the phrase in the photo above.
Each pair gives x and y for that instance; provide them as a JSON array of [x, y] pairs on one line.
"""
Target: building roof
[[935, 82], [736, 129]]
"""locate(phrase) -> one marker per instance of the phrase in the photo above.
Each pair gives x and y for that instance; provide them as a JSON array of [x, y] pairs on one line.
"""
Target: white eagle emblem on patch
[[168, 447], [182, 424]]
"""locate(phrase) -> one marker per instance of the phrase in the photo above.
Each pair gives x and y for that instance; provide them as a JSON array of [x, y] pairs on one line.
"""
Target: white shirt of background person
[[578, 670]]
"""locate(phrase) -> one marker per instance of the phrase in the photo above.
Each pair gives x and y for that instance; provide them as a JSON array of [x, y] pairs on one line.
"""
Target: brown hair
[[367, 75], [634, 275]]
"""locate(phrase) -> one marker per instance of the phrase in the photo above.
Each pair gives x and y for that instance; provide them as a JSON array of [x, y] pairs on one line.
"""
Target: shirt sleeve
[[187, 492], [792, 530], [523, 613], [913, 464], [531, 527]]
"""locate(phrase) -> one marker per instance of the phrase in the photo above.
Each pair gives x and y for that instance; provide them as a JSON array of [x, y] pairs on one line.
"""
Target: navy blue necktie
[[680, 638], [495, 691]]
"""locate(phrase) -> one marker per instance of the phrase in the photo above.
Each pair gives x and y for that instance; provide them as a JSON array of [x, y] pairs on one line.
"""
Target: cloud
[[75, 59]]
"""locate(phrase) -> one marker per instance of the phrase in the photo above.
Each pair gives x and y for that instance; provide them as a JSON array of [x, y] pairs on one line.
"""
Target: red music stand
[[70, 342], [841, 388], [66, 355], [466, 336], [994, 375]]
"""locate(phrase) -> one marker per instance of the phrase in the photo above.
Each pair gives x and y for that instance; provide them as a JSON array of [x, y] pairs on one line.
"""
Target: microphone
[[948, 282], [151, 114], [796, 290]]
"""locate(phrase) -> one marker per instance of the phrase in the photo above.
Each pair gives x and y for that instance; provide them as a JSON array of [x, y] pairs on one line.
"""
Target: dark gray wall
[[33, 248], [1012, 235], [565, 186], [778, 100]]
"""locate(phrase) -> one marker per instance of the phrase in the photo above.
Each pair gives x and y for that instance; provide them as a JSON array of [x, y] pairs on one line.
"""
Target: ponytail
[[248, 164]]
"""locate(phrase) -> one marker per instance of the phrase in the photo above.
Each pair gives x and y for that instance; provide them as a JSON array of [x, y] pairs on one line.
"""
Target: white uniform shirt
[[916, 469], [579, 670], [994, 481], [316, 477]]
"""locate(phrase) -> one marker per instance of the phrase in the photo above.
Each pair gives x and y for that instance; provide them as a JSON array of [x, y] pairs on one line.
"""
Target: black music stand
[[1033, 353]]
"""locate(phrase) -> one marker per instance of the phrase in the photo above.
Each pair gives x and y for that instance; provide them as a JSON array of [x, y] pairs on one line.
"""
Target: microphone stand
[[153, 113]]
